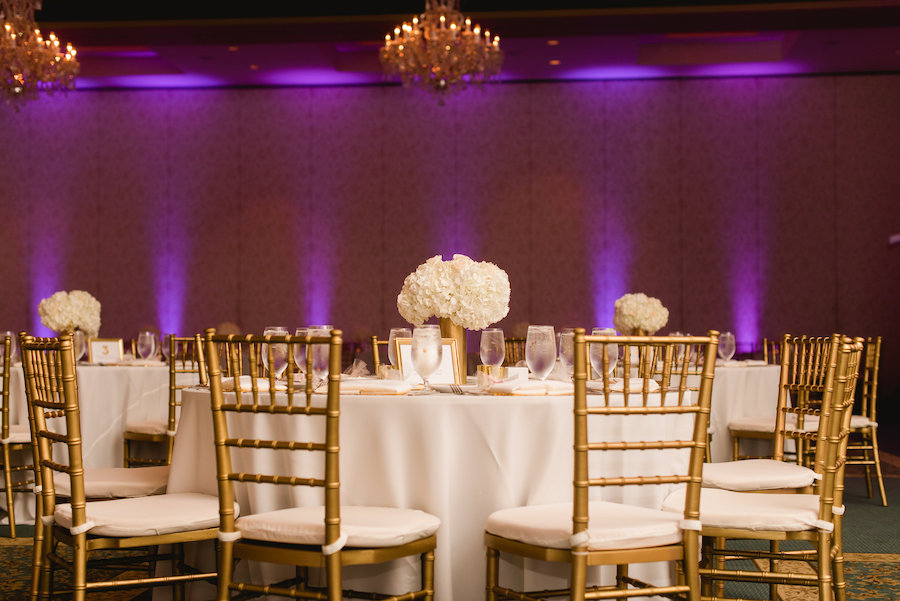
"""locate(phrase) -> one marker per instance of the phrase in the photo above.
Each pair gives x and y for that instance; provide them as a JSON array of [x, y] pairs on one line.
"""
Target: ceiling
[[205, 44]]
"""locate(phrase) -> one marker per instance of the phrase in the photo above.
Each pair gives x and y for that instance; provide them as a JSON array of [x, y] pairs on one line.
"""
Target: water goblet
[[13, 346], [567, 350], [79, 344], [427, 353], [493, 347], [611, 351], [300, 350], [392, 349], [166, 346], [726, 346], [147, 344], [278, 351], [540, 350], [319, 354]]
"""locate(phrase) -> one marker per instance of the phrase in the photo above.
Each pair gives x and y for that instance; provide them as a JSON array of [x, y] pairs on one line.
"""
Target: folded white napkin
[[262, 384], [730, 363], [144, 362], [755, 363], [618, 385], [374, 386], [532, 388], [358, 369]]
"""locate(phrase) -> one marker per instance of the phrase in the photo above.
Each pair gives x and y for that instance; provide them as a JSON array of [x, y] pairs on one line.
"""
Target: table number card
[[105, 350]]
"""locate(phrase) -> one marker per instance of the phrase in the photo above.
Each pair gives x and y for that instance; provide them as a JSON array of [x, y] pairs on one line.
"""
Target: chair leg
[[690, 571], [226, 569], [428, 575], [824, 566], [37, 550], [578, 579], [774, 547], [10, 497], [877, 459], [837, 568], [79, 567], [492, 563], [621, 574], [333, 576]]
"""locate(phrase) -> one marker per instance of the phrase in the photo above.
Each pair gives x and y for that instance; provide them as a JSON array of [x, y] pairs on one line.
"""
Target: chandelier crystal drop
[[31, 63], [441, 50]]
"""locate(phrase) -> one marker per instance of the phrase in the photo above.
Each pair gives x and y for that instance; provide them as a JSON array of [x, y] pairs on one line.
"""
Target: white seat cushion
[[158, 428], [363, 526], [18, 434], [611, 526], [752, 424], [757, 474], [782, 512], [147, 516], [117, 482], [856, 421]]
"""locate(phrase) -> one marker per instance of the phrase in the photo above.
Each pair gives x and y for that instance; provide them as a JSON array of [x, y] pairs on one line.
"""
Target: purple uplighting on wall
[[610, 267], [44, 282], [170, 271], [745, 300]]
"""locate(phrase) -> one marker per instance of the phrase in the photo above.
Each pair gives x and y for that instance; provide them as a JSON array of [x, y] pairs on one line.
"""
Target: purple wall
[[757, 205]]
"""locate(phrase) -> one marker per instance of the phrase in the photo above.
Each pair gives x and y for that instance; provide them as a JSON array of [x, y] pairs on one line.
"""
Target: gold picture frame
[[446, 373], [105, 350]]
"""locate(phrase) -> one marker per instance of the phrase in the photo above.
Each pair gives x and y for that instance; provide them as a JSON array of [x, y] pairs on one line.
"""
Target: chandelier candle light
[[441, 51], [462, 293], [31, 64]]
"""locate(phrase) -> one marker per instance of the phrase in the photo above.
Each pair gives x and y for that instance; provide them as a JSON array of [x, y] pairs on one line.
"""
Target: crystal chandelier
[[31, 64], [441, 51]]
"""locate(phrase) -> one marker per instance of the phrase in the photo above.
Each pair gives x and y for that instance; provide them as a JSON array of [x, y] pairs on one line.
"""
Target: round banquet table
[[740, 390], [459, 457], [109, 397]]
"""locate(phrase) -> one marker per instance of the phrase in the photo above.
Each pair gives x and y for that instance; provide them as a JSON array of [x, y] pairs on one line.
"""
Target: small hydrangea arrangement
[[639, 312], [65, 311], [471, 294]]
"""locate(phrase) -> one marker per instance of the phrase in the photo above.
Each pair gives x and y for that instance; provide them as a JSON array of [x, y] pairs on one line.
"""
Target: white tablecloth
[[110, 396], [458, 457], [745, 391]]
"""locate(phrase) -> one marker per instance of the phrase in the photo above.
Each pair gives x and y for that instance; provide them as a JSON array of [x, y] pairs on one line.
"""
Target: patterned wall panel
[[719, 198]]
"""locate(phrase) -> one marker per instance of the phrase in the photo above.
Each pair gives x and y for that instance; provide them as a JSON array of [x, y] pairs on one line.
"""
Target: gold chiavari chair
[[15, 442], [515, 350], [803, 365], [185, 359], [588, 532], [71, 532], [771, 351], [777, 517], [376, 353], [317, 532], [863, 445]]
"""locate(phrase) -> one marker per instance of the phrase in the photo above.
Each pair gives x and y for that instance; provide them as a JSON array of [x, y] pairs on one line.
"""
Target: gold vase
[[458, 333]]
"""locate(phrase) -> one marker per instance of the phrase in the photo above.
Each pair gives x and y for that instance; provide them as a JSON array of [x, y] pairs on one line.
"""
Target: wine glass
[[427, 352], [147, 344], [597, 351], [567, 350], [319, 354], [79, 344], [392, 350], [165, 346], [726, 346], [279, 351], [493, 347], [13, 346], [540, 350], [300, 350]]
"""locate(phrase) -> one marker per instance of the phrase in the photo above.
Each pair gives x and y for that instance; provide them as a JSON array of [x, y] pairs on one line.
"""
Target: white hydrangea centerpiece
[[639, 312], [469, 293], [66, 311]]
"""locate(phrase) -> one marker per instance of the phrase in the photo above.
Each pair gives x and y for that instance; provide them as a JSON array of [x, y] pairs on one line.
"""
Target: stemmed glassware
[[13, 346], [493, 347], [300, 350], [79, 344], [427, 352], [279, 351], [319, 354], [540, 350], [597, 351], [147, 344], [392, 349], [726, 346], [164, 346], [567, 350]]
